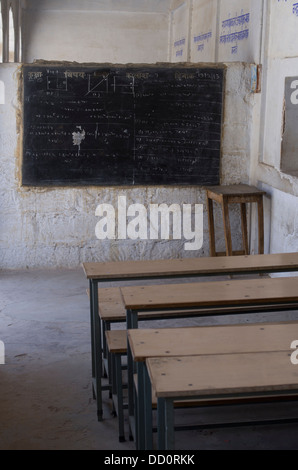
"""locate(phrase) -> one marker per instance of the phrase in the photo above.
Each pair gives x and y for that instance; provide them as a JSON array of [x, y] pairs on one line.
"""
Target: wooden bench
[[100, 272], [219, 376]]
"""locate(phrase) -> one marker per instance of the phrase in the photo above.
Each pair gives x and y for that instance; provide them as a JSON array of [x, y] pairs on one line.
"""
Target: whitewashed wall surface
[[56, 227]]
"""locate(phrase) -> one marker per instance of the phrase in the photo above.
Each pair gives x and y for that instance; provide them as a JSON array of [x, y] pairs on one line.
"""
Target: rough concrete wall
[[56, 227]]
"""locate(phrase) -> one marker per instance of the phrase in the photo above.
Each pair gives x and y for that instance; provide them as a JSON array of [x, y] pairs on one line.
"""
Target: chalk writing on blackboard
[[118, 125]]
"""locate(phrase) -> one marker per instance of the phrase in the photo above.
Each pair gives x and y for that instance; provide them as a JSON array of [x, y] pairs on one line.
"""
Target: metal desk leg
[[148, 409], [161, 423], [166, 430], [97, 349], [117, 373], [139, 408], [92, 337], [131, 323]]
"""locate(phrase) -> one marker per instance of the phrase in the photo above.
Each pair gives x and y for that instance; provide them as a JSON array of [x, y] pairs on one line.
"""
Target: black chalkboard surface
[[121, 125]]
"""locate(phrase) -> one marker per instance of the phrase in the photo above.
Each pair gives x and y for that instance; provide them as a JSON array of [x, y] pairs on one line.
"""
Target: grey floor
[[45, 385]]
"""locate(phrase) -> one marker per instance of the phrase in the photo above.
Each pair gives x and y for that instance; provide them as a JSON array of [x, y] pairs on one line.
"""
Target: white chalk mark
[[90, 90], [78, 137], [96, 131]]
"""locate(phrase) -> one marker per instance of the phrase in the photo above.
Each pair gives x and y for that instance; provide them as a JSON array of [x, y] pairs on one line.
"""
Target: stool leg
[[244, 227], [261, 225], [227, 227], [211, 226]]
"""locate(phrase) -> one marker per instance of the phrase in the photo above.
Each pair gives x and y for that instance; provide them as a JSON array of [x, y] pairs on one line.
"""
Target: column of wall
[[11, 30]]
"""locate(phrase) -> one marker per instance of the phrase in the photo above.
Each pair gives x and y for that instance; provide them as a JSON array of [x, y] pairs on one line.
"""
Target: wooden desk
[[192, 341], [245, 292], [241, 293], [233, 194], [221, 376], [100, 272]]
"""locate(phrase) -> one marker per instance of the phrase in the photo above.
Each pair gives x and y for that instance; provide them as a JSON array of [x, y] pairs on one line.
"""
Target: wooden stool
[[240, 194]]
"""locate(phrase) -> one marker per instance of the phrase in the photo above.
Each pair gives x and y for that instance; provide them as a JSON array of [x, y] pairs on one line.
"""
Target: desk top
[[191, 266], [213, 375], [197, 340], [216, 293]]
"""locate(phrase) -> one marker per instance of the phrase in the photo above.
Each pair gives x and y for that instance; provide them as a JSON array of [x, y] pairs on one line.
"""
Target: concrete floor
[[45, 385]]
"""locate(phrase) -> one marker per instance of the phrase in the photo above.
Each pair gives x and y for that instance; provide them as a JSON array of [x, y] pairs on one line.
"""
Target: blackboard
[[121, 125]]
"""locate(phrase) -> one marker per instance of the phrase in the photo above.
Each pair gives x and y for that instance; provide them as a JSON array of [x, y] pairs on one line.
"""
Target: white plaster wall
[[56, 227], [278, 70], [283, 17], [179, 46], [240, 28], [203, 31], [284, 220], [82, 36], [280, 60], [218, 31]]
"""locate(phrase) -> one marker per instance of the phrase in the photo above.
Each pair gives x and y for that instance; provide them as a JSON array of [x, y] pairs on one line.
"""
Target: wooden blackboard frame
[[122, 125]]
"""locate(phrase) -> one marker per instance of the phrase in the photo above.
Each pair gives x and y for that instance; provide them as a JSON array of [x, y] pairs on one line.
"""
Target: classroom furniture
[[97, 273], [192, 341], [235, 194], [114, 343], [260, 293], [117, 339], [257, 374]]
